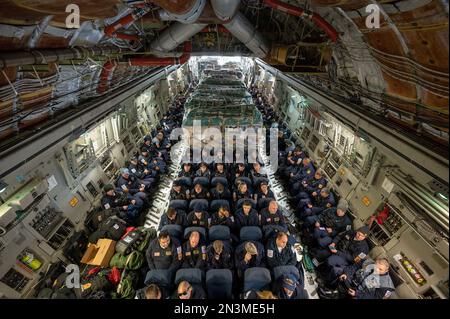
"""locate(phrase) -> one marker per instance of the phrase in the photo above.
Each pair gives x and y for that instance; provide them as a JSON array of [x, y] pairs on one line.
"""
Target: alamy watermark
[[73, 19], [234, 145], [373, 19]]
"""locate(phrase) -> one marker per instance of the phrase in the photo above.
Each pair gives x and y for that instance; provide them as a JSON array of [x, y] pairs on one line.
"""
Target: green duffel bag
[[149, 235], [136, 261]]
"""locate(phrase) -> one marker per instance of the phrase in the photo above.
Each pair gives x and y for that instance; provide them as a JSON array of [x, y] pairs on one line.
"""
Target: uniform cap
[[364, 229], [343, 205], [124, 171], [108, 187]]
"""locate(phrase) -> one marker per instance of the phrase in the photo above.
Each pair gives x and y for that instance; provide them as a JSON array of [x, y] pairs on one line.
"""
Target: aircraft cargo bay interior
[[224, 149]]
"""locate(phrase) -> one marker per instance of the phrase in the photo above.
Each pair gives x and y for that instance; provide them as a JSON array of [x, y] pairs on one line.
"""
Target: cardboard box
[[99, 254]]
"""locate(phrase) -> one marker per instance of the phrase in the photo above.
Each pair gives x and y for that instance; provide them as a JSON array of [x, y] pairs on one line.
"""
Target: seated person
[[187, 171], [158, 165], [194, 252], [293, 162], [263, 192], [246, 216], [247, 255], [220, 171], [220, 192], [128, 207], [306, 172], [126, 184], [219, 256], [198, 218], [257, 171], [199, 192], [242, 192], [151, 292], [332, 222], [223, 217], [141, 173], [372, 281], [203, 171], [279, 252], [288, 287], [164, 252], [311, 188], [187, 291], [173, 217], [178, 191], [349, 249], [273, 216], [240, 171], [307, 208]]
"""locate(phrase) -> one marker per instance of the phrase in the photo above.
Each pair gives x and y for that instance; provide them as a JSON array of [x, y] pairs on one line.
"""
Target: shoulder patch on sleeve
[[270, 253], [107, 206], [387, 295], [133, 170], [179, 250], [349, 227], [362, 255]]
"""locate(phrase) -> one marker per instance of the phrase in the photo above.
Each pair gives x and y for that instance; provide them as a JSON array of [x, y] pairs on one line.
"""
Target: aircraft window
[[313, 144], [92, 189], [427, 268]]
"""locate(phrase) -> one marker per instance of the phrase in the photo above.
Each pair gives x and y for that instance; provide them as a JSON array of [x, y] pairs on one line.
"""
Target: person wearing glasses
[[187, 291]]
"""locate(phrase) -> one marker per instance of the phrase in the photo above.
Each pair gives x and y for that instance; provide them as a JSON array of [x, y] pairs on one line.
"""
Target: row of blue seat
[[219, 282], [215, 204]]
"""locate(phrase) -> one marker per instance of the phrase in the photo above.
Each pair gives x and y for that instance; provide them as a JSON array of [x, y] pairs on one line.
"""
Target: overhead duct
[[243, 30], [175, 35], [110, 66], [225, 9], [12, 59], [299, 12], [184, 11]]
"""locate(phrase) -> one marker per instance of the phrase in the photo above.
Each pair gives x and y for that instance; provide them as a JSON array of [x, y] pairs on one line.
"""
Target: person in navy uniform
[[127, 185], [325, 200], [242, 192], [332, 222], [279, 252], [220, 171], [187, 171], [246, 216], [288, 287], [271, 215], [372, 281], [198, 218], [141, 173], [128, 207], [187, 291], [293, 162], [220, 192], [247, 255], [348, 249], [223, 217], [219, 256], [178, 191], [164, 252], [263, 192], [306, 172], [194, 252], [152, 291], [173, 217], [199, 192], [203, 171], [257, 171], [310, 188]]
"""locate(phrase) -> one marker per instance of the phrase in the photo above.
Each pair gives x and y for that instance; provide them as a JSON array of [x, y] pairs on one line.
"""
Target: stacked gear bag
[[112, 228], [130, 257]]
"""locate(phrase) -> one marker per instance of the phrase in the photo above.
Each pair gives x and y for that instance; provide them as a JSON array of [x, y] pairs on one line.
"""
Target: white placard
[[52, 183], [388, 185]]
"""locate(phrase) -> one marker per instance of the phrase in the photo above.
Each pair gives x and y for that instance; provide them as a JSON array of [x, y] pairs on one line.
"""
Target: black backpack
[[115, 227]]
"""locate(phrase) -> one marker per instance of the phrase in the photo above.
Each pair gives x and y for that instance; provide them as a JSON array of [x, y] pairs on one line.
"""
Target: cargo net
[[221, 101]]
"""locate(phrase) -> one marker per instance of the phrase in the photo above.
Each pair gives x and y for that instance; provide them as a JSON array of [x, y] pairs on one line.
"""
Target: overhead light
[[3, 186], [440, 195]]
